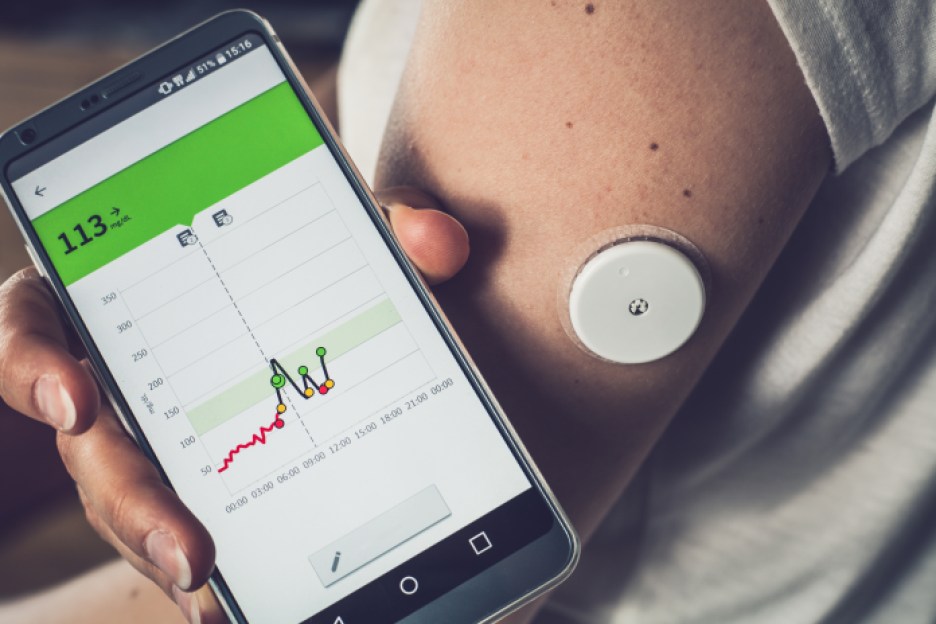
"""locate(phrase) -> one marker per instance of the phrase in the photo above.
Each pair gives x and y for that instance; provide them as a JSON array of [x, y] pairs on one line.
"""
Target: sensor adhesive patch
[[639, 297]]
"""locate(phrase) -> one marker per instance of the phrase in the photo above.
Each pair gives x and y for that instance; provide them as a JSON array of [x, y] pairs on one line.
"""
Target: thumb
[[434, 241]]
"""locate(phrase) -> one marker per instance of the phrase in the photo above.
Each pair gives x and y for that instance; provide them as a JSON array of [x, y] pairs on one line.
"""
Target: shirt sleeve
[[868, 63]]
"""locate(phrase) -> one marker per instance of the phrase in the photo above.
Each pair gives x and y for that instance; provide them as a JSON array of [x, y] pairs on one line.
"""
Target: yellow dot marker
[[309, 392], [280, 408], [329, 384]]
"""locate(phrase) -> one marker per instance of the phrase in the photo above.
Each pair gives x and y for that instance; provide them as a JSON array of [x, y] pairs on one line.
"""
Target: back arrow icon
[[40, 191]]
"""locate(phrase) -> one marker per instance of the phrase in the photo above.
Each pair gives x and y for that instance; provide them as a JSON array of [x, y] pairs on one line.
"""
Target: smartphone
[[269, 347]]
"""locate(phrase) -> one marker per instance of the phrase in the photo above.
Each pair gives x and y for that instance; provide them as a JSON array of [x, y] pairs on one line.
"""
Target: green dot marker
[[320, 352], [277, 381], [303, 370]]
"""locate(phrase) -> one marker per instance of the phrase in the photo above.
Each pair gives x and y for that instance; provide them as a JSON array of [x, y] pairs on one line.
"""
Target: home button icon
[[409, 585]]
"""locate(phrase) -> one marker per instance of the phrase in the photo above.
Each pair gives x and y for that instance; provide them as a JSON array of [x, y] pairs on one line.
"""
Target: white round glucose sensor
[[636, 301]]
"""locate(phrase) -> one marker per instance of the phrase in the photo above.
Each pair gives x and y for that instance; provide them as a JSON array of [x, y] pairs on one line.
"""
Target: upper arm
[[540, 124]]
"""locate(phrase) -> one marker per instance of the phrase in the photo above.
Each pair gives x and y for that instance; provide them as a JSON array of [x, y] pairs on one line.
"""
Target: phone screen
[[276, 360]]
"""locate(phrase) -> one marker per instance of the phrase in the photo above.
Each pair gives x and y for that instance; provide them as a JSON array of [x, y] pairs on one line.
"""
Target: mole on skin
[[589, 8]]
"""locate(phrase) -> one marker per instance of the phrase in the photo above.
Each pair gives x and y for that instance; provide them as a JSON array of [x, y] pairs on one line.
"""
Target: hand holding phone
[[263, 338], [95, 448]]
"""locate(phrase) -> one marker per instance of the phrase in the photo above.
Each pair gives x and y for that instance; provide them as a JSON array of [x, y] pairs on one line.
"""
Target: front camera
[[27, 136]]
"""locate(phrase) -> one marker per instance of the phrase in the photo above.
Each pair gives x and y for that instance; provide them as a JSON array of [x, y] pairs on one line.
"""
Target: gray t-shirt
[[798, 483]]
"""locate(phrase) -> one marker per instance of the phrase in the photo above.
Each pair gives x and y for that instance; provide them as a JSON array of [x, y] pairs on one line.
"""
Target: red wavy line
[[258, 438]]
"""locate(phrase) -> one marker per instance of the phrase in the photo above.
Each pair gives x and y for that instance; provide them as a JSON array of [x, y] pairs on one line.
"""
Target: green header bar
[[169, 187]]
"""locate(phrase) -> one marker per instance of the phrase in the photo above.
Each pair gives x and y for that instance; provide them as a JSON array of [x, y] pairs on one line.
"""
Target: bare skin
[[541, 124], [538, 125], [692, 116]]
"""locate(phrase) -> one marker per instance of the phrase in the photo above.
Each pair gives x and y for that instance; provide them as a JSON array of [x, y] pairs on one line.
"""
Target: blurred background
[[47, 50]]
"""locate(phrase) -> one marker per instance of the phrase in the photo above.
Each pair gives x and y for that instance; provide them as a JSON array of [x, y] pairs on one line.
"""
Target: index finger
[[39, 377]]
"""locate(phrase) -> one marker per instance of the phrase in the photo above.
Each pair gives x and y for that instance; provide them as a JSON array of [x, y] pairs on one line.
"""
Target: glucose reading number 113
[[98, 229]]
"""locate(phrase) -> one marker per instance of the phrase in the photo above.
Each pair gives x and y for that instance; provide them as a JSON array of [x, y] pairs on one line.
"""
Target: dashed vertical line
[[250, 332]]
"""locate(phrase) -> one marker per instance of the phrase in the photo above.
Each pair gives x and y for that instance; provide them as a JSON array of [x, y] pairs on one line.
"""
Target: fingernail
[[54, 403], [163, 550], [393, 206], [188, 603]]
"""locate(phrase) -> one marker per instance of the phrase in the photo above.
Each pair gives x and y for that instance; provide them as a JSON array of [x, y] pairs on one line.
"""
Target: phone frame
[[65, 115]]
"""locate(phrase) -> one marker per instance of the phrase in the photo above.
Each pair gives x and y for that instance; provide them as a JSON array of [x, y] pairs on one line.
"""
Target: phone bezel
[[561, 543]]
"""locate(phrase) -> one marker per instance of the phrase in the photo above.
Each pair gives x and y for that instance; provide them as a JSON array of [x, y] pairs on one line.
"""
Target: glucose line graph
[[281, 377], [273, 334], [278, 381], [258, 438]]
